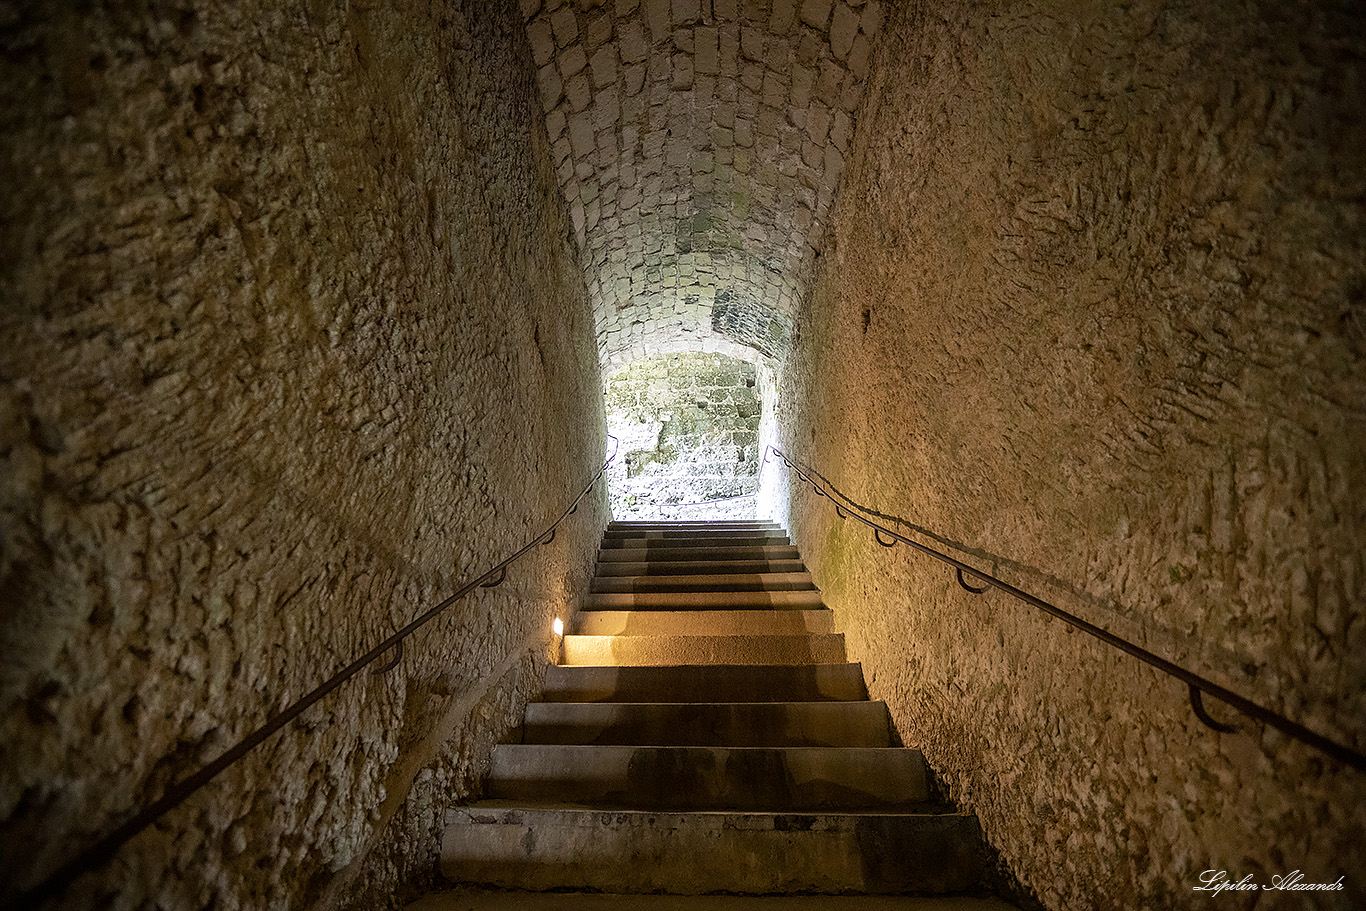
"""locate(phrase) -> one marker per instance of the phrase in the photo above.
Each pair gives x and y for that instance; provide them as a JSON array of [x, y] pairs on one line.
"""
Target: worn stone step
[[660, 532], [748, 622], [721, 683], [853, 724], [629, 651], [749, 853], [667, 539], [476, 897], [672, 554], [718, 600], [710, 778], [741, 524], [706, 582], [678, 540], [696, 567]]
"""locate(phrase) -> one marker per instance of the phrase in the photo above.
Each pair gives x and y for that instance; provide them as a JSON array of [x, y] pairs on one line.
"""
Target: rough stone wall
[[292, 343], [699, 145], [1092, 311], [689, 431]]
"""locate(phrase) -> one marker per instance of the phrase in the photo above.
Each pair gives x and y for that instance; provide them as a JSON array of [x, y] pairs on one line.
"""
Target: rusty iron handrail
[[103, 850], [1198, 686]]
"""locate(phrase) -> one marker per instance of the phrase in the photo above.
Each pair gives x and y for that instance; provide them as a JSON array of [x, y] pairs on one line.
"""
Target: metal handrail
[[101, 851], [1198, 686]]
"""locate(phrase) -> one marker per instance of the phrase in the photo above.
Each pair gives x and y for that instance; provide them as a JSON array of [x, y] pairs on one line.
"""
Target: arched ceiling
[[699, 145]]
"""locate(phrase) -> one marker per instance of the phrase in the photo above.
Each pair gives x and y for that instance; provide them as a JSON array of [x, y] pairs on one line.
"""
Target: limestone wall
[[292, 343], [689, 431], [1092, 310]]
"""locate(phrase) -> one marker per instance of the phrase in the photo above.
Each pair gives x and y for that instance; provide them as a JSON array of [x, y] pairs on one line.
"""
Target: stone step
[[706, 582], [719, 600], [721, 683], [474, 897], [672, 554], [668, 539], [853, 724], [775, 779], [697, 567], [741, 524], [748, 853], [750, 622], [695, 539], [693, 527], [634, 651]]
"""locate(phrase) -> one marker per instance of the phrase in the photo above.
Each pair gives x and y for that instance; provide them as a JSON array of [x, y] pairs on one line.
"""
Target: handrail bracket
[[1198, 707], [966, 587]]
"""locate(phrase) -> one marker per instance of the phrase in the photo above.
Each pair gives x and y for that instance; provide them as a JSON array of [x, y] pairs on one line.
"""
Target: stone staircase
[[705, 733]]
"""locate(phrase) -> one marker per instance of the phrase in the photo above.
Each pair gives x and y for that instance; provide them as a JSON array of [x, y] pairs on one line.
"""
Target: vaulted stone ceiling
[[699, 145]]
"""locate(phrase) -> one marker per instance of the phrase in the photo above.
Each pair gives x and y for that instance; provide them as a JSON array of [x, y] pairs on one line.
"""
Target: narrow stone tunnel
[[309, 313]]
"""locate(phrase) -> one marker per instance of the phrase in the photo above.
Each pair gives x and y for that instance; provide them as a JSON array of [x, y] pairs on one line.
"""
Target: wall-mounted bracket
[[1198, 707], [392, 662], [964, 582]]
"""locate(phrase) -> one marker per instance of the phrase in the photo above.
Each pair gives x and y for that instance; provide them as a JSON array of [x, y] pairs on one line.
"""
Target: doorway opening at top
[[692, 428]]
